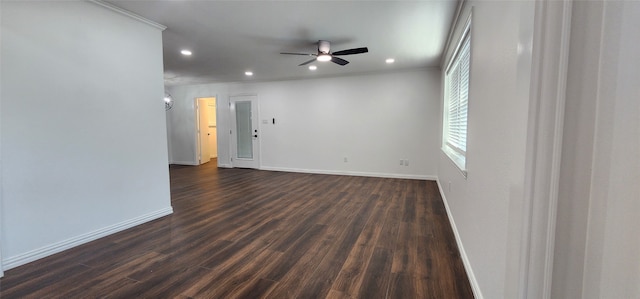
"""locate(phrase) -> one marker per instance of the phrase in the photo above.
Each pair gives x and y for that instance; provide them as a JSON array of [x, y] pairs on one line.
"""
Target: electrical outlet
[[346, 160], [401, 162], [406, 162]]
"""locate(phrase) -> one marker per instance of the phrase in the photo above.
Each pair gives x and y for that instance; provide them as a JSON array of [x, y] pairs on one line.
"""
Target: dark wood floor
[[239, 233]]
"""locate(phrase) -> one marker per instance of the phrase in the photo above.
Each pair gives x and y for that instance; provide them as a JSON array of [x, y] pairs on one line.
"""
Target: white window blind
[[457, 83]]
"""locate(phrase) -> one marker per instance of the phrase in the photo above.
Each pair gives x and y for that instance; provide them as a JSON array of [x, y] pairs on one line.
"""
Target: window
[[454, 136]]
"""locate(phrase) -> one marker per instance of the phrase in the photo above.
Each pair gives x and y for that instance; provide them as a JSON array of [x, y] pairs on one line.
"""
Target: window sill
[[458, 160]]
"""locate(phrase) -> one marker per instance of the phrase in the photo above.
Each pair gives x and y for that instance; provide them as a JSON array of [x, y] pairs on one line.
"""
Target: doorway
[[245, 142], [206, 131]]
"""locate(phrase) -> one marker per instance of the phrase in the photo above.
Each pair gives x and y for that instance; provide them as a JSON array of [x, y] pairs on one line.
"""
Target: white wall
[[83, 127], [486, 206], [1, 192], [597, 252], [373, 120]]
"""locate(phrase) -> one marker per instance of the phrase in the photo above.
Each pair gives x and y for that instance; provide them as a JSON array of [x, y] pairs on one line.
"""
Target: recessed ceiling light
[[186, 52], [313, 67], [248, 73], [390, 60]]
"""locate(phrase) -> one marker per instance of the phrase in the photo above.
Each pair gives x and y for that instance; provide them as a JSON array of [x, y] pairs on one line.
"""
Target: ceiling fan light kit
[[324, 54], [324, 57]]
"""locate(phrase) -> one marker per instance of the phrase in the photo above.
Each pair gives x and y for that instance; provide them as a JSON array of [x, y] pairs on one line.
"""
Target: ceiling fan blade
[[303, 54], [339, 61], [351, 51], [305, 63]]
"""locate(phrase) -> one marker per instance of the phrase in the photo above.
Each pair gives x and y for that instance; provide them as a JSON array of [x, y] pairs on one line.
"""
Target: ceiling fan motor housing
[[323, 46]]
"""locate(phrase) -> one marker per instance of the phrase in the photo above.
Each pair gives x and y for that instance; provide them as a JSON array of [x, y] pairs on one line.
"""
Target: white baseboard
[[54, 248], [190, 163], [225, 165], [475, 287], [353, 173]]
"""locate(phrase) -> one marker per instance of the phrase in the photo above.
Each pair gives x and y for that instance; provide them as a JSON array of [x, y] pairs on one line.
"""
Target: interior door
[[213, 131], [245, 141], [203, 130]]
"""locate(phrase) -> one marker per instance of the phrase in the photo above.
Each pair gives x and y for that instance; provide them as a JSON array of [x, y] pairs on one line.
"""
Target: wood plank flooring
[[240, 233]]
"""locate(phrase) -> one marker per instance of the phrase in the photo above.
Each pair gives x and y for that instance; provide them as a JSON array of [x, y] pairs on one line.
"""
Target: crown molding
[[128, 14]]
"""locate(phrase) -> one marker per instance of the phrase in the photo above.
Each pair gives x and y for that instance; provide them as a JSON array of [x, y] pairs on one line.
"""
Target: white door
[[245, 142], [203, 130], [213, 131]]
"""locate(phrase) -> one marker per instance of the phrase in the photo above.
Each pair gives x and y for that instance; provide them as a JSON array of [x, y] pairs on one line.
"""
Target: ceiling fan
[[324, 54]]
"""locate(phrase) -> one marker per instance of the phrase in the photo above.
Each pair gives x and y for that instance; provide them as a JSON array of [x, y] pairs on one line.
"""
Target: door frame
[[196, 137], [549, 61], [232, 146]]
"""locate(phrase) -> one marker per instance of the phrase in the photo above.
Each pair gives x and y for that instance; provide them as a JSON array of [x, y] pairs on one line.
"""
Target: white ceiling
[[228, 38]]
